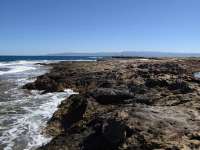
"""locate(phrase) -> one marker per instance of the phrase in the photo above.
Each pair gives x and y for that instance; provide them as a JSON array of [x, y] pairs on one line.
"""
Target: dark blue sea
[[23, 114], [33, 58]]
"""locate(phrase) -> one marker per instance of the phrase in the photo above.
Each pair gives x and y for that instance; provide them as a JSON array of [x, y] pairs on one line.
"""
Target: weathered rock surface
[[66, 116], [125, 104], [111, 96]]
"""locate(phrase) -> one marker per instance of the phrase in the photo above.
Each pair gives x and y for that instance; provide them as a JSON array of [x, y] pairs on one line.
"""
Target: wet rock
[[70, 112], [58, 143], [45, 83], [77, 108]]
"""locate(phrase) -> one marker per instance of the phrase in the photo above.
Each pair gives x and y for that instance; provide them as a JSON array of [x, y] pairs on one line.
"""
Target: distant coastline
[[130, 53], [110, 54]]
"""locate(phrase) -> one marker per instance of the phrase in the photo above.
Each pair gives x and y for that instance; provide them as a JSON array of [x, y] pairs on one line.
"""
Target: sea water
[[23, 113]]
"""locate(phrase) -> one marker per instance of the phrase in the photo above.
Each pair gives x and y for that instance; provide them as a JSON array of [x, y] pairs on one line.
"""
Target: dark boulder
[[139, 89], [143, 66], [181, 86], [45, 83], [105, 83], [111, 96], [77, 108], [143, 99], [70, 111], [109, 135], [156, 82]]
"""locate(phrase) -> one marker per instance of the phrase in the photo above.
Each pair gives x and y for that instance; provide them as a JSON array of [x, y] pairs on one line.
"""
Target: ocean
[[23, 113]]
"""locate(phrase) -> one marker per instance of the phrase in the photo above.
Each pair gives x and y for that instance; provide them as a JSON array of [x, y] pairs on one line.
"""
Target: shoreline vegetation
[[124, 104]]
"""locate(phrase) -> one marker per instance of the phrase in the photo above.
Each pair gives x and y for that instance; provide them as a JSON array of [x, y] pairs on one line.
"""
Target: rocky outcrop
[[70, 112], [183, 87], [111, 96], [108, 134], [124, 104], [156, 82], [45, 83]]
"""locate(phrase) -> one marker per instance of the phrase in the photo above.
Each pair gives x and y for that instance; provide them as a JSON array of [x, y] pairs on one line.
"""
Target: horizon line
[[103, 52]]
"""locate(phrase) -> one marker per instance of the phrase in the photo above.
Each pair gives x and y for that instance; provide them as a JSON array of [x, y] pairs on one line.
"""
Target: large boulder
[[70, 111], [111, 96], [46, 84], [181, 86], [156, 82], [109, 135], [77, 108]]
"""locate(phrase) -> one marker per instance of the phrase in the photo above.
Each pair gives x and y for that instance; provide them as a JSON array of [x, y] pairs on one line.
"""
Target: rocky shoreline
[[124, 104]]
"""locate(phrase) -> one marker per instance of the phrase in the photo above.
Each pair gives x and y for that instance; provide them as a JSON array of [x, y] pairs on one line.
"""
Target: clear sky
[[53, 26]]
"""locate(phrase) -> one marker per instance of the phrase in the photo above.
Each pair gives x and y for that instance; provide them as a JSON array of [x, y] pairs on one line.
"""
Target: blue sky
[[53, 26]]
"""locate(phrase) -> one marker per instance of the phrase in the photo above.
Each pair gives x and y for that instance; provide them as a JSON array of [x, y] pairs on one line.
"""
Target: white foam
[[20, 66], [143, 59], [30, 124], [26, 114], [22, 62], [17, 69]]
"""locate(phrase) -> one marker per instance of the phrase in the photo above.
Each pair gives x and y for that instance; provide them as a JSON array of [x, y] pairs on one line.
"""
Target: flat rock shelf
[[124, 104]]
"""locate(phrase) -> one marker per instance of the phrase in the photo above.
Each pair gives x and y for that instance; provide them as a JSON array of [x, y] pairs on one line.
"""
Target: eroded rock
[[71, 111], [111, 96], [125, 104], [109, 134]]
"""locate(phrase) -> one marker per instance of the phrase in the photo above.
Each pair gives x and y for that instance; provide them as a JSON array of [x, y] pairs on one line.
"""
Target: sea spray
[[23, 114]]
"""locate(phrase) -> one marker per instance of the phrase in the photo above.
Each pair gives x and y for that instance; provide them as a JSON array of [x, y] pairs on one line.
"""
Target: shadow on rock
[[109, 135]]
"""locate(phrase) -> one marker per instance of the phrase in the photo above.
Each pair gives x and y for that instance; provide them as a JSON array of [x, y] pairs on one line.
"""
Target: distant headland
[[129, 53]]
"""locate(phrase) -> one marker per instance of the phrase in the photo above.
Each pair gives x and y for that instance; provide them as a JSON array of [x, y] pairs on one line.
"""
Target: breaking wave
[[23, 113]]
